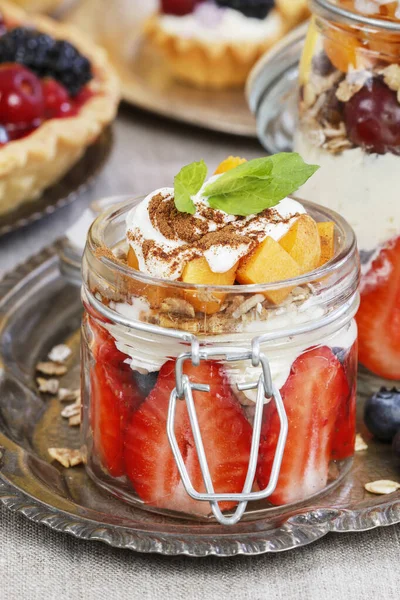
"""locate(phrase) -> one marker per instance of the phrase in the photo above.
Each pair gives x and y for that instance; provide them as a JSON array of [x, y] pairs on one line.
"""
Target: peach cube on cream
[[268, 263], [303, 244], [197, 271]]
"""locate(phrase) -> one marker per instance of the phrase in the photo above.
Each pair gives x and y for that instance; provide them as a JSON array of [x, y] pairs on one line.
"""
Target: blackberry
[[47, 57], [258, 9]]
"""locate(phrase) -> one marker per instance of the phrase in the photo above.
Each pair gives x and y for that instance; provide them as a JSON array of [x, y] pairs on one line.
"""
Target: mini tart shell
[[30, 165], [215, 65]]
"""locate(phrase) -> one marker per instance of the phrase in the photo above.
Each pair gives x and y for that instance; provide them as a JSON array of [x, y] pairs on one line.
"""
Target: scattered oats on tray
[[71, 410], [66, 456], [381, 487], [360, 443], [48, 386], [75, 420], [51, 368], [68, 395], [60, 353]]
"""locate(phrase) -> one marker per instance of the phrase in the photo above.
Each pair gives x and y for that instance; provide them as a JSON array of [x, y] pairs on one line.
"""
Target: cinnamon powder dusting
[[194, 231]]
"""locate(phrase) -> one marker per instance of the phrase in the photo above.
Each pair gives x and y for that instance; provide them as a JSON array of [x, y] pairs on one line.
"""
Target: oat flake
[[383, 486]]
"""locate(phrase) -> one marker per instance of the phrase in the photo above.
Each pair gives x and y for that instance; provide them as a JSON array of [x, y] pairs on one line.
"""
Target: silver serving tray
[[40, 307]]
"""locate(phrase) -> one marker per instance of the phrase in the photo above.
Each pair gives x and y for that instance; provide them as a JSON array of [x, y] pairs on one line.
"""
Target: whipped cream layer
[[150, 354], [212, 25], [164, 240], [360, 186]]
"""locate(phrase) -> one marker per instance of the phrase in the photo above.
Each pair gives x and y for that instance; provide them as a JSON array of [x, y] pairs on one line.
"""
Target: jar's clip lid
[[265, 389]]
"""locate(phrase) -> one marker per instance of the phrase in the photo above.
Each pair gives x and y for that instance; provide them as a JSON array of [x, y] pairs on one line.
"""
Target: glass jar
[[349, 124], [219, 401]]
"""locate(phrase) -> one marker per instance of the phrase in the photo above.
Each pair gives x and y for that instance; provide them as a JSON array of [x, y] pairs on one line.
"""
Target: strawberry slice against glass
[[311, 395], [114, 396], [344, 436], [226, 435], [378, 317]]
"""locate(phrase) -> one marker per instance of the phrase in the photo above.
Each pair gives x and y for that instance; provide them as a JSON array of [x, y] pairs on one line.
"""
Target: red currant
[[373, 118], [178, 7], [21, 99], [57, 102]]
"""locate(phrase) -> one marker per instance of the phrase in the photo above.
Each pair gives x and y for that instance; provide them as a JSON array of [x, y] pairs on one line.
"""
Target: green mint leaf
[[265, 183], [187, 183], [229, 181], [289, 172]]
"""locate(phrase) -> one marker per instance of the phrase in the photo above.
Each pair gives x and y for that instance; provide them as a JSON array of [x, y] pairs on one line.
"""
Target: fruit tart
[[214, 44], [57, 93], [350, 124], [204, 268]]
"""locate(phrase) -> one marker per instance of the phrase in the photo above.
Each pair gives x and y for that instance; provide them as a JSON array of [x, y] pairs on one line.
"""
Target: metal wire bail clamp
[[265, 389]]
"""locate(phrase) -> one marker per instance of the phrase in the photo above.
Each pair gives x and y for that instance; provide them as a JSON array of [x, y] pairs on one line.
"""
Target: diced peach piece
[[132, 259], [228, 164], [268, 263], [197, 271], [303, 244], [327, 237], [345, 50]]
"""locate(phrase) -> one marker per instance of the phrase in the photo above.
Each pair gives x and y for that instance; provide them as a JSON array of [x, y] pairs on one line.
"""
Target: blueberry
[[145, 383], [382, 414], [340, 353]]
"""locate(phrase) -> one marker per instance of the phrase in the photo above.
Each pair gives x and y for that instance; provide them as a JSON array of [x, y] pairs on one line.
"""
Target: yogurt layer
[[213, 25], [362, 187], [149, 355]]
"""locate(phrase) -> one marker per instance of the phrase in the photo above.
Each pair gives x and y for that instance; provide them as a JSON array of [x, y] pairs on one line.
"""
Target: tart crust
[[214, 65], [220, 64], [30, 165]]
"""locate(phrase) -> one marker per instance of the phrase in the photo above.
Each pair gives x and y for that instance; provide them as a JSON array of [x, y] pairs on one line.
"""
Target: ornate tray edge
[[297, 531]]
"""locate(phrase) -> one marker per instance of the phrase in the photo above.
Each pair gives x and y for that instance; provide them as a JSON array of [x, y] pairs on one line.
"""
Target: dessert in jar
[[214, 44], [219, 346], [350, 125], [57, 94]]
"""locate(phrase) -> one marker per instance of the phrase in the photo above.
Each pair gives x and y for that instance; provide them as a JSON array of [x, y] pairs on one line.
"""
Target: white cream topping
[[228, 25], [220, 257], [362, 187]]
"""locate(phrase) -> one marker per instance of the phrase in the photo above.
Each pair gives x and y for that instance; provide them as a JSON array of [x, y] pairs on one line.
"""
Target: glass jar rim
[[326, 8], [345, 253]]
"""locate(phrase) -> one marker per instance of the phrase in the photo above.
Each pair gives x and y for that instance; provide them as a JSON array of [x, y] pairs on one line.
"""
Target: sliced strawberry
[[378, 318], [345, 427], [114, 395], [312, 394], [226, 435]]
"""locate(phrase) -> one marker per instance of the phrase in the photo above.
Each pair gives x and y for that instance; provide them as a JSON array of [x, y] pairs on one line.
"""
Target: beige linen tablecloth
[[39, 564]]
